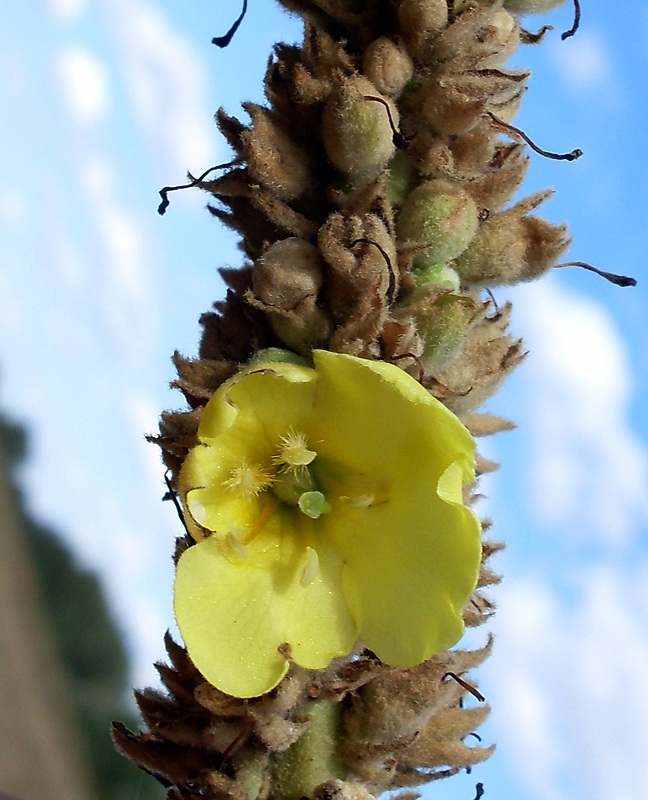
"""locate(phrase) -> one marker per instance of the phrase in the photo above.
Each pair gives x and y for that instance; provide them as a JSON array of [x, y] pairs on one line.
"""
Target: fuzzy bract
[[326, 503]]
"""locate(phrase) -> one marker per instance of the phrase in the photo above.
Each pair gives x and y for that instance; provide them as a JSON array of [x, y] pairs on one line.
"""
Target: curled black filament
[[223, 41]]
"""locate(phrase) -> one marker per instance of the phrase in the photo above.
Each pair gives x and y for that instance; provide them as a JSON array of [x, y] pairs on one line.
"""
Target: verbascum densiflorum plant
[[326, 468]]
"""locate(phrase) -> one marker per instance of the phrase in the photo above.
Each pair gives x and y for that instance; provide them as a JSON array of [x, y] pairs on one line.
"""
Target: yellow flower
[[327, 505]]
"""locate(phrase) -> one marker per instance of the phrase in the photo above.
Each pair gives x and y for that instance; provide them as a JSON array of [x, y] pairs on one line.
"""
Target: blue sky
[[104, 102]]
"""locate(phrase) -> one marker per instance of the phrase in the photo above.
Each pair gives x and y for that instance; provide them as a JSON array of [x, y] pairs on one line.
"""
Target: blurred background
[[103, 103]]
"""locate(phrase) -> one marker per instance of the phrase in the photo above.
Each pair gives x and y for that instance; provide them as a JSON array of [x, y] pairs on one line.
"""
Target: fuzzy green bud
[[532, 6], [356, 131], [439, 219], [276, 355], [401, 176], [442, 321], [440, 275]]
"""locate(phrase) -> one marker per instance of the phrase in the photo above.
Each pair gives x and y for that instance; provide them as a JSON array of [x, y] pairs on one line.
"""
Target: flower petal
[[261, 405], [234, 615], [411, 556], [410, 567], [369, 410]]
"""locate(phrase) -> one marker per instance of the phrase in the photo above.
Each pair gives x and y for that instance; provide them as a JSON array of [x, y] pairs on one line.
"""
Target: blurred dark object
[[63, 667]]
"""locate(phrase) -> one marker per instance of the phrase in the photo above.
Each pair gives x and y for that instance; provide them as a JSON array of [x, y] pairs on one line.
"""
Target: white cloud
[[13, 209], [587, 468], [126, 290], [143, 416], [568, 687], [66, 10], [167, 86], [85, 84], [583, 61]]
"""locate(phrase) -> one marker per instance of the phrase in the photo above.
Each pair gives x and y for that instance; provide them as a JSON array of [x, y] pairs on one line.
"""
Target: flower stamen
[[293, 453], [361, 501], [249, 479], [311, 567]]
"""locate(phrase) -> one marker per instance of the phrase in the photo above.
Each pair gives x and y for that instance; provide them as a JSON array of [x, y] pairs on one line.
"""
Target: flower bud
[[487, 356], [511, 247], [504, 35], [422, 19], [387, 66], [532, 6], [356, 132], [440, 276], [286, 280], [274, 160], [401, 175], [442, 321], [289, 271], [439, 219], [447, 109]]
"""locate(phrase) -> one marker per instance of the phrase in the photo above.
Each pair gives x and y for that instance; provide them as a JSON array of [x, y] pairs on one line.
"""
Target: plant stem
[[315, 757]]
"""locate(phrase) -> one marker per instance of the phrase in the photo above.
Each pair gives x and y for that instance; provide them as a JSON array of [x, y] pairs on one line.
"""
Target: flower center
[[287, 478]]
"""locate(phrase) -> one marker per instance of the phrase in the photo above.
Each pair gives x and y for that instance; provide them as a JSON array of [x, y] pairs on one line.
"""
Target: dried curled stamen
[[392, 276], [172, 495], [511, 129], [497, 314], [400, 142], [527, 37], [467, 686], [617, 280], [192, 182], [223, 41], [574, 27]]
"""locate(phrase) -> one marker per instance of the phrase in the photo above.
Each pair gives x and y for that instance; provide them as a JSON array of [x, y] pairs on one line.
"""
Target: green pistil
[[313, 504]]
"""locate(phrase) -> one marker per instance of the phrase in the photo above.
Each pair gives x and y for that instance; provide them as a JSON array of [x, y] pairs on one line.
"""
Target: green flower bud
[[442, 322], [356, 132], [276, 355], [439, 219], [532, 6], [401, 176], [440, 275], [488, 354]]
